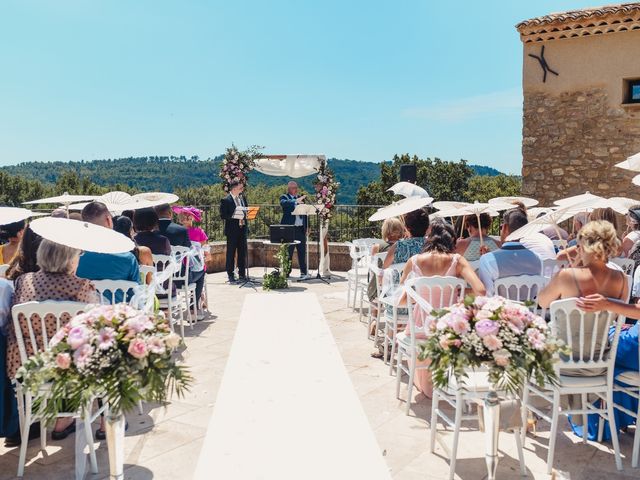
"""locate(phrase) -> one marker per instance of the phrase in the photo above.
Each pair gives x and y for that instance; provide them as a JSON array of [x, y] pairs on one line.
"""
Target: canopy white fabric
[[64, 199], [400, 207], [526, 201], [15, 214], [631, 163], [82, 235], [407, 190], [294, 166]]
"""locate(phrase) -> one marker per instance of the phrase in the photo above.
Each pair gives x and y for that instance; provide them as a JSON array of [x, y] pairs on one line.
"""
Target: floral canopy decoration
[[326, 188], [236, 165]]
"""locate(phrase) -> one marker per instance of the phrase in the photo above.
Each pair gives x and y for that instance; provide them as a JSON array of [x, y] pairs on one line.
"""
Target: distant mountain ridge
[[167, 173]]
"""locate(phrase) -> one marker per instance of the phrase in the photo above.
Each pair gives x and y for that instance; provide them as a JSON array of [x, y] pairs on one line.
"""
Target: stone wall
[[571, 142]]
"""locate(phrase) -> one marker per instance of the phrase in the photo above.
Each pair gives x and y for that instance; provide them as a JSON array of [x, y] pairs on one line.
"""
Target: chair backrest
[[551, 266], [587, 336], [115, 291], [628, 265], [146, 270], [180, 254], [391, 279], [33, 313], [375, 270], [521, 288], [161, 263], [3, 270]]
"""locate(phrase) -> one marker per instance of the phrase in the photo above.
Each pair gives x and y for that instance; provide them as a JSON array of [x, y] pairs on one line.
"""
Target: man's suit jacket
[[177, 234], [227, 207], [288, 204]]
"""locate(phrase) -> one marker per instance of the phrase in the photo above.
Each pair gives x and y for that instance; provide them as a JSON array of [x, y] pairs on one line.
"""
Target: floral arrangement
[[115, 352], [236, 165], [326, 188], [505, 336], [277, 279]]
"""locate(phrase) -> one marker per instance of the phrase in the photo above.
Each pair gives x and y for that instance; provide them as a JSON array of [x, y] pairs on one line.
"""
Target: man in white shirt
[[288, 202]]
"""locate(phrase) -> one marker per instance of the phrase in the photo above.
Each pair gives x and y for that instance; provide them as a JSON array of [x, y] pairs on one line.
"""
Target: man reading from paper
[[288, 203], [233, 212]]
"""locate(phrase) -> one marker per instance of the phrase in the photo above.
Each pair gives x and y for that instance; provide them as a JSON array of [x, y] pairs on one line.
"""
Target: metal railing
[[347, 222]]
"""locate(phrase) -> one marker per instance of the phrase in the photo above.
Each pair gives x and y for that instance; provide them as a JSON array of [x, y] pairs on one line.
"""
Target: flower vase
[[491, 414], [114, 426]]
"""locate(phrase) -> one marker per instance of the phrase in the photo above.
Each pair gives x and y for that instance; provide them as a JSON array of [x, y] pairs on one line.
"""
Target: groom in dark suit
[[235, 229], [288, 202]]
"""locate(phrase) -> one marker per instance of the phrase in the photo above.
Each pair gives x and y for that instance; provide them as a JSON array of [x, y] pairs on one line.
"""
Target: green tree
[[483, 188]]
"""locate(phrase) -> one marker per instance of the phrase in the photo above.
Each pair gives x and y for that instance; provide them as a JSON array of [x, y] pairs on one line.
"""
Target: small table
[[267, 243]]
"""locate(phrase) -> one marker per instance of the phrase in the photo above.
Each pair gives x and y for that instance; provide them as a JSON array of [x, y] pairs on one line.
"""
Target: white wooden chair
[[169, 301], [393, 320], [587, 335], [109, 289], [522, 288], [374, 273], [3, 270], [187, 289], [475, 388], [38, 312], [422, 293], [627, 265], [629, 383], [359, 268]]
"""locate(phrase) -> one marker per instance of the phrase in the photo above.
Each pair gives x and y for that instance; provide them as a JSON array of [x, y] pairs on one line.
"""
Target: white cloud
[[459, 109]]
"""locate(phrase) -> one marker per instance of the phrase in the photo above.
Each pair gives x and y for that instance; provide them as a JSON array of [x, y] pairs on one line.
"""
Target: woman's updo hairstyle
[[441, 238], [599, 239], [417, 222]]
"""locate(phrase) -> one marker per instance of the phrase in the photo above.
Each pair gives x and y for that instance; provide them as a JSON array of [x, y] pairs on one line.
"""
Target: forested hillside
[[178, 173]]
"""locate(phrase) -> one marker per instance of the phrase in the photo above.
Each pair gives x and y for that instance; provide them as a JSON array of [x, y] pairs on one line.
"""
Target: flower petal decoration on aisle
[[236, 165], [505, 336], [114, 352]]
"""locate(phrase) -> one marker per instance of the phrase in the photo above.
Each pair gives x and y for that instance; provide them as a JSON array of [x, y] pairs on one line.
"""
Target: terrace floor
[[165, 442]]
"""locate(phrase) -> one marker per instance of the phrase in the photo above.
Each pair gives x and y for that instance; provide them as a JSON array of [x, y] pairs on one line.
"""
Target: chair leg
[[435, 401], [348, 290], [524, 414], [399, 373], [412, 371], [43, 430], [554, 431], [585, 418], [636, 441], [393, 349], [22, 459], [613, 429], [456, 435], [518, 435], [89, 437], [600, 425], [386, 343]]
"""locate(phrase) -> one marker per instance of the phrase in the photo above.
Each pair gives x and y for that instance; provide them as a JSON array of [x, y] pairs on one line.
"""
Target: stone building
[[581, 85]]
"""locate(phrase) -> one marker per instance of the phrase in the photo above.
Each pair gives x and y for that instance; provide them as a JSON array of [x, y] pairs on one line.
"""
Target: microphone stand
[[247, 282], [318, 276]]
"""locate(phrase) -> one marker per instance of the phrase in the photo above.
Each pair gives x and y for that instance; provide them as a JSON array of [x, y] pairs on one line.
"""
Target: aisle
[[286, 408]]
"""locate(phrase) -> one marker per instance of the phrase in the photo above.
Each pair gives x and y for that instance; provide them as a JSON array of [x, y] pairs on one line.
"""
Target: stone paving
[[165, 442]]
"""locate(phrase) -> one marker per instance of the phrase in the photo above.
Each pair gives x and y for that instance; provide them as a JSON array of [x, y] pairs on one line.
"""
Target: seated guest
[[513, 258], [552, 233], [25, 261], [188, 217], [145, 223], [9, 427], [178, 235], [124, 225], [631, 239], [470, 247], [606, 214], [437, 259], [56, 280], [417, 223], [11, 233], [106, 266], [392, 231]]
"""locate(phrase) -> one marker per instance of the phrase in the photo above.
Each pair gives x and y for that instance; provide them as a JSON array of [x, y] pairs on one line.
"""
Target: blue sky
[[352, 79]]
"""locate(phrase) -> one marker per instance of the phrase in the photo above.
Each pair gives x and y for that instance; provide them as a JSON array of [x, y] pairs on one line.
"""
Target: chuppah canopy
[[294, 166]]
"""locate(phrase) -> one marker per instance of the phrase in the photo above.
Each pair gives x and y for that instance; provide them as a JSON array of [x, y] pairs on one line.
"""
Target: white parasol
[[116, 202], [526, 201], [533, 213], [636, 180], [153, 199], [478, 209], [449, 205], [631, 163], [294, 166], [407, 190], [15, 214], [400, 207], [82, 235], [64, 199]]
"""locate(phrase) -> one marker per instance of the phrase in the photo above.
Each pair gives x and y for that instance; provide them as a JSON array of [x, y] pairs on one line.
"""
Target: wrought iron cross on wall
[[544, 65]]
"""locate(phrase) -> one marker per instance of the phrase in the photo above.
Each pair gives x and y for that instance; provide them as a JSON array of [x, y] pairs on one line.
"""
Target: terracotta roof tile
[[575, 15]]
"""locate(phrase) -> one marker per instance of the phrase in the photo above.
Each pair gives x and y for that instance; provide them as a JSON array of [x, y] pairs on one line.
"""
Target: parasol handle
[[480, 230]]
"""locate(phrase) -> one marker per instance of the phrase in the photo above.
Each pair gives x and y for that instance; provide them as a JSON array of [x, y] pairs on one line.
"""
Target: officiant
[[235, 229], [288, 202]]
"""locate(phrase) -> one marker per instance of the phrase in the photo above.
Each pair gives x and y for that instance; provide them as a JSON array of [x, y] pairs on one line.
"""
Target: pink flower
[[483, 315], [480, 301], [106, 338], [502, 357], [138, 349], [156, 345], [82, 355], [57, 338], [444, 342], [492, 342], [536, 338], [138, 324], [63, 361], [486, 328], [77, 337]]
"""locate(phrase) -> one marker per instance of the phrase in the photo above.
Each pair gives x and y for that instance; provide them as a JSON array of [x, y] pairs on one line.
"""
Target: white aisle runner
[[286, 408]]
